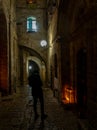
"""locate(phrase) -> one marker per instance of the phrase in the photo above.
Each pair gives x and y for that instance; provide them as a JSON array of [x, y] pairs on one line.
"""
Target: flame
[[68, 94]]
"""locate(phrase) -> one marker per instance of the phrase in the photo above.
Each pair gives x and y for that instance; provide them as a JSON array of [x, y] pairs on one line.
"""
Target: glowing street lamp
[[43, 43], [30, 67]]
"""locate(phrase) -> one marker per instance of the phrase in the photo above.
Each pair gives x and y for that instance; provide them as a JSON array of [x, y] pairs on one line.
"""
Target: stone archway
[[3, 55]]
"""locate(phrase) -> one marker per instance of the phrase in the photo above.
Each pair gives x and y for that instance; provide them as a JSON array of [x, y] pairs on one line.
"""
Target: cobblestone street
[[16, 113]]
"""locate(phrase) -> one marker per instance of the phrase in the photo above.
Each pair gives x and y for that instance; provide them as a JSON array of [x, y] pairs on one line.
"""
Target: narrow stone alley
[[16, 113]]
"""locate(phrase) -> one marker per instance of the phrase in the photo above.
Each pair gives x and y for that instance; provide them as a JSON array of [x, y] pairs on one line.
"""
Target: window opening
[[31, 24]]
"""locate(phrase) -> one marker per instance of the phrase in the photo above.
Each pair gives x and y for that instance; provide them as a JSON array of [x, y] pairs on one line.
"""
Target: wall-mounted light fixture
[[43, 43], [31, 1], [30, 67]]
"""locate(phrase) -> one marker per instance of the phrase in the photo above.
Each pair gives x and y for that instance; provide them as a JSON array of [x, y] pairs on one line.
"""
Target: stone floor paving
[[16, 113]]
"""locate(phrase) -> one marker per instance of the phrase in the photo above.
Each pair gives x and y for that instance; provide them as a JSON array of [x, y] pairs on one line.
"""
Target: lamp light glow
[[43, 43]]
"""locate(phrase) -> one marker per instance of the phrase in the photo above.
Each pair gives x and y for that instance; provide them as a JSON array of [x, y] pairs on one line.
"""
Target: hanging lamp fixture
[[31, 1]]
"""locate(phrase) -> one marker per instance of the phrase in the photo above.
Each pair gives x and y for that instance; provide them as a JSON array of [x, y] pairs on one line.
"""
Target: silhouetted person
[[36, 83]]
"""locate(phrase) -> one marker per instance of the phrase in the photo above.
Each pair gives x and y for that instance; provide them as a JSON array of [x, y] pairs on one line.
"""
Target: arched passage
[[32, 66], [27, 55], [3, 55], [34, 63]]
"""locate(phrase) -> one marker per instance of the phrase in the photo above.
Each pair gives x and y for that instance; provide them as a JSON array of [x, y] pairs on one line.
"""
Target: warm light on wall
[[31, 1], [68, 94]]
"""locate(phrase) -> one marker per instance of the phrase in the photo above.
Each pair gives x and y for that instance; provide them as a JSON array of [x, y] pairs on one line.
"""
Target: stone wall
[[31, 40], [8, 8], [77, 30]]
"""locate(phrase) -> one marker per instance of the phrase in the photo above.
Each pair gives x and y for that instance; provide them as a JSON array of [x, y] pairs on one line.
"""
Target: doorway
[[32, 66], [3, 55], [82, 81]]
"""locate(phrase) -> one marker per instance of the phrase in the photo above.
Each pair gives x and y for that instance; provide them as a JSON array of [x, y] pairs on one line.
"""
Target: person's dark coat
[[36, 83]]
